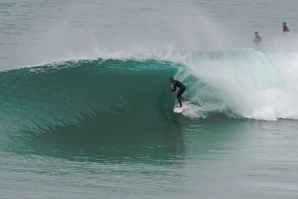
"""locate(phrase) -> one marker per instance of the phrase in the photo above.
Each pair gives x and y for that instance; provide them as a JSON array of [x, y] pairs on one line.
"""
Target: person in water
[[285, 27], [258, 39], [176, 84]]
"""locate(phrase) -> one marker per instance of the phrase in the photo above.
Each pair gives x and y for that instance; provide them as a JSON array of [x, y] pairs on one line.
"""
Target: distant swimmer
[[258, 39], [285, 28], [176, 84]]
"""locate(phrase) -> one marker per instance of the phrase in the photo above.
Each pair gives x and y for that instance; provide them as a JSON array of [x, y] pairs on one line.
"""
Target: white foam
[[252, 84]]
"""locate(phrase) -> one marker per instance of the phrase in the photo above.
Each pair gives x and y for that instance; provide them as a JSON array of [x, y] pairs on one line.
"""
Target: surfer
[[285, 28], [258, 39], [176, 84]]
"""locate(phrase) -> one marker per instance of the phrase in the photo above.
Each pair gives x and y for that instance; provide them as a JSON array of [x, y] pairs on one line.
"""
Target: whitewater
[[85, 113], [245, 83]]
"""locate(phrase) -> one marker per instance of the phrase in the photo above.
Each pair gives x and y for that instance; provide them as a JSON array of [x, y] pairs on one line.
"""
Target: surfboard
[[180, 110]]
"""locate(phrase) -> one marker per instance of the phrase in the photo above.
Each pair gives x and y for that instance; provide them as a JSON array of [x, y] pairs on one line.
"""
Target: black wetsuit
[[181, 90], [258, 39], [285, 29]]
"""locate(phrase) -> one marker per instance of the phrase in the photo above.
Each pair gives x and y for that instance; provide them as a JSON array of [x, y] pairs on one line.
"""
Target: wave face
[[87, 105], [105, 93], [120, 94]]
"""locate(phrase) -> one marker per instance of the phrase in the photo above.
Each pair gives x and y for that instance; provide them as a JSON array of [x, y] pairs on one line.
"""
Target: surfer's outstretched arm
[[174, 88], [171, 90]]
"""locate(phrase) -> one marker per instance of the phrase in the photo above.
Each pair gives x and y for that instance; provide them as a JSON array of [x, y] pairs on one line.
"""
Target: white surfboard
[[180, 110]]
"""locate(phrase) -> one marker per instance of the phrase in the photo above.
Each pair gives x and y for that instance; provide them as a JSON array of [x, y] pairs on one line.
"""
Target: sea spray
[[253, 84]]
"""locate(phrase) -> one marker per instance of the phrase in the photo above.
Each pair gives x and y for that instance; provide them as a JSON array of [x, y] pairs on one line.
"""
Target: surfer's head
[[256, 34], [171, 78], [284, 23]]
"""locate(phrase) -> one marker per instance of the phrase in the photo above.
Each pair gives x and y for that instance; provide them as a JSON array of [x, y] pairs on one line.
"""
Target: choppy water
[[84, 111]]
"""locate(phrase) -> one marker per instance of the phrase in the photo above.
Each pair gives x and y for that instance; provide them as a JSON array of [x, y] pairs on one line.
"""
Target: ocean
[[84, 111]]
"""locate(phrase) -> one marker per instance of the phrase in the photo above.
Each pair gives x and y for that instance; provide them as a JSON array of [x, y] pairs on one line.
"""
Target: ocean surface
[[84, 111]]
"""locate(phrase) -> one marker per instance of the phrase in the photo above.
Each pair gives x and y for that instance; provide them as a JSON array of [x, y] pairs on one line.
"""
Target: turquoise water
[[84, 111]]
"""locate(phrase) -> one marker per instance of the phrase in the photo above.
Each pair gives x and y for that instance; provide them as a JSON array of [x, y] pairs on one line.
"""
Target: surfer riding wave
[[176, 84]]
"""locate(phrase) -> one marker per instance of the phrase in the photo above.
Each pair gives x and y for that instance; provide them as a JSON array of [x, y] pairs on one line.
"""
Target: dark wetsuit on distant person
[[285, 27], [178, 84], [257, 39]]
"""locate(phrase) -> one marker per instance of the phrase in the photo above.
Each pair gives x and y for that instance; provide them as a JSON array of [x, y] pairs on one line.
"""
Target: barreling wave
[[115, 93], [85, 93]]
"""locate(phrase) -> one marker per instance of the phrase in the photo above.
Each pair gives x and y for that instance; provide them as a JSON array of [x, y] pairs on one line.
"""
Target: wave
[[99, 91], [88, 105], [106, 93], [250, 83]]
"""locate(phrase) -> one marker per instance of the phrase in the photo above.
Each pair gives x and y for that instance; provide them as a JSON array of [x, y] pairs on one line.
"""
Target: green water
[[214, 158], [84, 111]]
